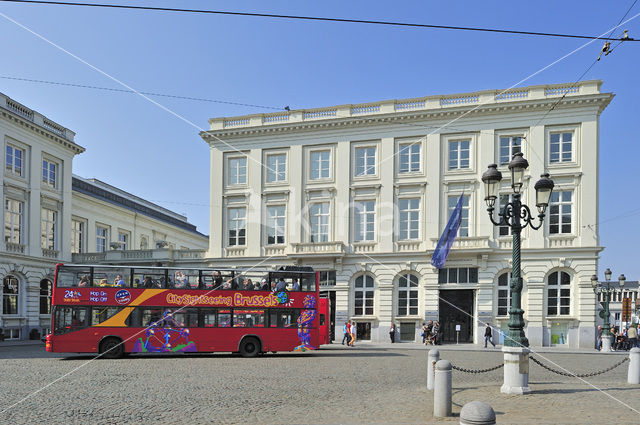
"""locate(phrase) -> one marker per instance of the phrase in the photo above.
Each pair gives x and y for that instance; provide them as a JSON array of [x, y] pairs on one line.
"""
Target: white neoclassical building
[[363, 192], [51, 216]]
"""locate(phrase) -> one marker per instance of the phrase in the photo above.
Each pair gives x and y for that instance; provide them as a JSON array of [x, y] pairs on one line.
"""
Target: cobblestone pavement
[[335, 385]]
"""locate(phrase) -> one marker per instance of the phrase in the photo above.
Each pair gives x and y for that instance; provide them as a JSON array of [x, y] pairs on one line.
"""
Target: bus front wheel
[[112, 348], [249, 347]]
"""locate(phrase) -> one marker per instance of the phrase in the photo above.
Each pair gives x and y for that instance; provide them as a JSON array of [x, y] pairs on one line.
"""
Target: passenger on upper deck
[[217, 279], [247, 285], [84, 281], [296, 285], [264, 286], [281, 285], [119, 281]]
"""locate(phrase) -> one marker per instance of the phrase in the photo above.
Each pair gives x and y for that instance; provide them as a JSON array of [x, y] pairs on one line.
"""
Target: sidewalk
[[14, 343], [366, 345]]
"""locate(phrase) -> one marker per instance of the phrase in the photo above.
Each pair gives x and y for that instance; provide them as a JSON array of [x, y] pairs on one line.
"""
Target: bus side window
[[322, 319]]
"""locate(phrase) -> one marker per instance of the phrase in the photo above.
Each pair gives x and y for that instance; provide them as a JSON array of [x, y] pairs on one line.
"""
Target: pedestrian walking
[[435, 334], [346, 331], [599, 338], [392, 332], [488, 336], [425, 333], [632, 336], [354, 331]]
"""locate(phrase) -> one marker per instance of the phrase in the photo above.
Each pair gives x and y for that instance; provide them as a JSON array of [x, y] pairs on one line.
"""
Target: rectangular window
[[560, 147], [77, 236], [276, 224], [365, 161], [409, 157], [123, 240], [102, 236], [281, 318], [13, 160], [509, 145], [409, 218], [276, 168], [48, 226], [49, 172], [463, 231], [365, 220], [458, 275], [237, 224], [237, 171], [13, 216], [248, 318], [560, 212], [505, 229], [459, 154], [327, 278], [320, 164], [319, 222]]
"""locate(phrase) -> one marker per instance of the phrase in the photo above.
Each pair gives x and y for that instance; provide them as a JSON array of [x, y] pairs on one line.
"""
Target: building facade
[[50, 214], [363, 192]]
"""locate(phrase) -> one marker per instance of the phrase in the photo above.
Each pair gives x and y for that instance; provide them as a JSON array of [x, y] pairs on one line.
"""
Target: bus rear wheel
[[111, 348], [249, 347]]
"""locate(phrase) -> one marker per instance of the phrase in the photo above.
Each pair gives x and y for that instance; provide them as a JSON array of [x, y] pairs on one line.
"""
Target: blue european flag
[[448, 236]]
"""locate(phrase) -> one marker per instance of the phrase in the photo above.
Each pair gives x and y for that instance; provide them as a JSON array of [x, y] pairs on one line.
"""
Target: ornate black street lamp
[[606, 289], [517, 216]]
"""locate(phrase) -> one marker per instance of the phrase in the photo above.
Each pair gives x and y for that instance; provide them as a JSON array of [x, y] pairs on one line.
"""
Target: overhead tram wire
[[85, 86], [315, 18]]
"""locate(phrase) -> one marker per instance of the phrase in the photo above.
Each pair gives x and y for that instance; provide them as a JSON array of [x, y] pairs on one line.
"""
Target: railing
[[511, 95], [463, 242], [275, 118], [236, 123], [88, 258], [405, 246], [317, 248], [232, 251], [50, 253], [410, 105], [459, 100], [271, 251], [435, 103], [319, 113], [19, 109], [365, 109], [560, 242], [53, 127], [142, 254], [18, 248], [359, 247], [560, 91], [188, 254], [505, 243]]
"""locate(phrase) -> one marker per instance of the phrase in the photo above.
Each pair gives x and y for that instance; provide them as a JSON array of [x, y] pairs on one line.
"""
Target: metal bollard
[[633, 376], [477, 413], [432, 359], [442, 389]]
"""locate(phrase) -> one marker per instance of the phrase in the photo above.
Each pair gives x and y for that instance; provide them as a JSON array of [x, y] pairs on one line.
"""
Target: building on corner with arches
[[51, 217], [362, 192]]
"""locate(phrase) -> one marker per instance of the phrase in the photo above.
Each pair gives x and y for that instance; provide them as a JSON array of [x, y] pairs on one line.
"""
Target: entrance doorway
[[363, 330], [456, 309]]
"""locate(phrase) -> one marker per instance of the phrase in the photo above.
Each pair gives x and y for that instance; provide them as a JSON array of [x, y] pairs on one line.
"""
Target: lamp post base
[[516, 370], [606, 343]]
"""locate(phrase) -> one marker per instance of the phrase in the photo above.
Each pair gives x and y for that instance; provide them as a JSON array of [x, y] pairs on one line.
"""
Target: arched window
[[504, 294], [45, 296], [363, 295], [10, 294], [408, 295], [558, 294]]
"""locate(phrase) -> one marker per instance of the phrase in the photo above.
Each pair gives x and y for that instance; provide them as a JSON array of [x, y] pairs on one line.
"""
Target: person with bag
[[488, 336], [346, 331], [353, 333], [392, 332]]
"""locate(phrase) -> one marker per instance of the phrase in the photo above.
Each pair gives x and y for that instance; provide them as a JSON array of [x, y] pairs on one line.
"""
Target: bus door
[[323, 310]]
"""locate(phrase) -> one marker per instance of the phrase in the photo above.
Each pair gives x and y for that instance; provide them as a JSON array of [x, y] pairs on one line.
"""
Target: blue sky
[[139, 147]]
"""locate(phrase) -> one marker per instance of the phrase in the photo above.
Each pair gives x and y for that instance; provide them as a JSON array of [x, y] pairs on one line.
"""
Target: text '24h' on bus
[[115, 310]]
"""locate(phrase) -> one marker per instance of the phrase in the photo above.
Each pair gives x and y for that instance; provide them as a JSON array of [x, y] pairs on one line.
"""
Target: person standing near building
[[354, 331], [488, 336], [345, 331], [392, 332], [632, 336]]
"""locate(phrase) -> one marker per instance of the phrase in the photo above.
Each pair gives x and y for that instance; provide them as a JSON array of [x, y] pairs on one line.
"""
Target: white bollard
[[633, 376], [606, 343], [432, 359], [477, 413], [442, 389], [516, 370]]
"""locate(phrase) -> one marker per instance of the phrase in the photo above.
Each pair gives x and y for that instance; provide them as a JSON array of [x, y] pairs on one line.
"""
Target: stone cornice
[[599, 100], [40, 131]]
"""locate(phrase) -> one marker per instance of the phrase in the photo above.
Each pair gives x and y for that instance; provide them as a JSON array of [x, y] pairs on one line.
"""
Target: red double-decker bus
[[116, 310]]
